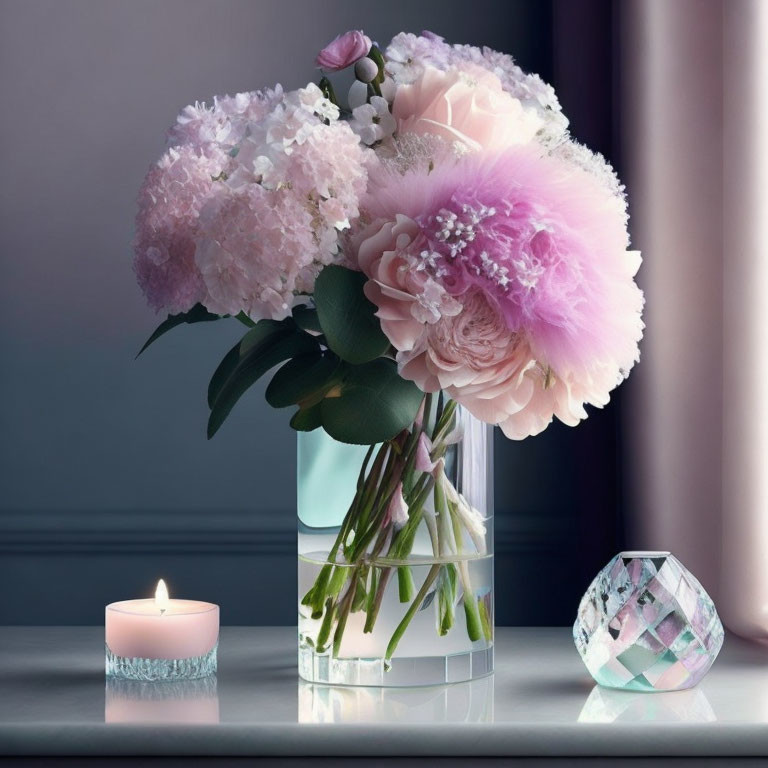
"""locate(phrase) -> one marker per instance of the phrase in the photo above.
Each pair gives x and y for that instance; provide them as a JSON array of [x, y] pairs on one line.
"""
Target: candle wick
[[162, 611]]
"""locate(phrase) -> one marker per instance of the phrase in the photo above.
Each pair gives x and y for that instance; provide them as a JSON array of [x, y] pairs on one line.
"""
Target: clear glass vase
[[396, 554]]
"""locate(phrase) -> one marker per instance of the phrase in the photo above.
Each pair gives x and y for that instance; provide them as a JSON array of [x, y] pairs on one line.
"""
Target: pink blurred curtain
[[694, 137]]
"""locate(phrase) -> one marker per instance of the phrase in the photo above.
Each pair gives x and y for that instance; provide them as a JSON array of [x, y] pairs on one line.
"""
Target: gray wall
[[107, 479]]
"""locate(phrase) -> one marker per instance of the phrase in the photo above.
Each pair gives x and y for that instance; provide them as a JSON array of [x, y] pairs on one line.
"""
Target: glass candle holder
[[146, 642]]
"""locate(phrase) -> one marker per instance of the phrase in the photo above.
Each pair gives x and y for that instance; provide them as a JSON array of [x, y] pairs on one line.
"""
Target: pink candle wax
[[143, 629]]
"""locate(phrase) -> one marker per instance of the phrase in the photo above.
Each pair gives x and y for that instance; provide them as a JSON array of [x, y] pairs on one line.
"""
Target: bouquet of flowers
[[434, 239]]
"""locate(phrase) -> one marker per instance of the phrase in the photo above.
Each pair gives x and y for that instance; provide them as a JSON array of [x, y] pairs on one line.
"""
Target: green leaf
[[374, 404], [198, 314], [222, 373], [302, 378], [261, 333], [306, 318], [307, 419], [255, 360], [244, 319], [347, 318]]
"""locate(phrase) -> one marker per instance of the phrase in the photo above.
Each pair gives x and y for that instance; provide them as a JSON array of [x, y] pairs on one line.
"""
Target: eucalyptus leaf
[[374, 404], [255, 361], [307, 419], [347, 318], [222, 373], [306, 318], [304, 377], [260, 334], [198, 314]]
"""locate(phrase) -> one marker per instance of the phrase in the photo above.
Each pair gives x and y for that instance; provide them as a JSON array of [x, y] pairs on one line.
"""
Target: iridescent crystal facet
[[646, 624]]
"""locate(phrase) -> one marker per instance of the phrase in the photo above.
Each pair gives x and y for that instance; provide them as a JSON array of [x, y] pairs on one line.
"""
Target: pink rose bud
[[344, 51], [366, 70]]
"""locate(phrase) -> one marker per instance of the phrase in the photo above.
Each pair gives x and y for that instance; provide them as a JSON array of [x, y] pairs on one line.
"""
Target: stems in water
[[403, 625], [405, 585], [353, 560]]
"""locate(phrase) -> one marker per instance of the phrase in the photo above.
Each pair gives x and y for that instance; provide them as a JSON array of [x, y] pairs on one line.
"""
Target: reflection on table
[[470, 702], [606, 705], [185, 701]]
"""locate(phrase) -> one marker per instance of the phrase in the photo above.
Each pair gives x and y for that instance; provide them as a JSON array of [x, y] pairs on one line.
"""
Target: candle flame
[[161, 596]]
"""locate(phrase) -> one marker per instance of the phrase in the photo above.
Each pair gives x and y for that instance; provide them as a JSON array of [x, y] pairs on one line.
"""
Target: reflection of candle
[[161, 638], [185, 701]]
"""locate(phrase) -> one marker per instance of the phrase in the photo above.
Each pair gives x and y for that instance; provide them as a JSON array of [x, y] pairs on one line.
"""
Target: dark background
[[107, 481]]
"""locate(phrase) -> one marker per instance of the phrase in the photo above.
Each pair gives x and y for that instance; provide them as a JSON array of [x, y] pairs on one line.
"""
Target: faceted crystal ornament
[[646, 624]]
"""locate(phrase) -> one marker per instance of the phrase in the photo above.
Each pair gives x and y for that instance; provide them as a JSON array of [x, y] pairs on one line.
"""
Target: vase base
[[400, 672]]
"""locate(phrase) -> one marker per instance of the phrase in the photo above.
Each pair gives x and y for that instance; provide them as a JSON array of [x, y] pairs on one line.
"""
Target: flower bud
[[344, 51], [366, 70]]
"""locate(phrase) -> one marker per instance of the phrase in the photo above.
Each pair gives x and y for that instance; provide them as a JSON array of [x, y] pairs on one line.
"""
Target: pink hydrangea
[[243, 213], [261, 245], [170, 200], [534, 249], [225, 122]]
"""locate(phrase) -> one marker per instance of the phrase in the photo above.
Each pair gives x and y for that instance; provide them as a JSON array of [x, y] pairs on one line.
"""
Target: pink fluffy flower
[[344, 51], [505, 280], [465, 104]]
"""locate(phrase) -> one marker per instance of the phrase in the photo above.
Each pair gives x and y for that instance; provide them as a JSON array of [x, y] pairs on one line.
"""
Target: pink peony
[[464, 104], [506, 281], [344, 51], [408, 56]]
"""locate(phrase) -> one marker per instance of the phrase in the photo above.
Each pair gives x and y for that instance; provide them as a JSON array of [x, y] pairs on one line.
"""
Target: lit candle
[[160, 638]]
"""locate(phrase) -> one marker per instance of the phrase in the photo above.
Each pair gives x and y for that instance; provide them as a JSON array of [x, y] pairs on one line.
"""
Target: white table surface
[[540, 702]]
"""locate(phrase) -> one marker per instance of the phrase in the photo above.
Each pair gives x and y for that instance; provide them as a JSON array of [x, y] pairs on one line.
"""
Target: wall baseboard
[[213, 532]]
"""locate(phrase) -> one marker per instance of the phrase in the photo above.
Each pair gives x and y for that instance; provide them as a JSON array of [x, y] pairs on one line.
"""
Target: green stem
[[440, 404], [405, 585], [326, 87], [485, 619], [474, 624], [373, 609], [325, 627], [411, 612], [245, 320], [344, 608]]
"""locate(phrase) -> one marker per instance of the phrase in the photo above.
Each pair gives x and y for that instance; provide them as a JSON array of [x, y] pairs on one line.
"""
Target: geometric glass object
[[647, 624]]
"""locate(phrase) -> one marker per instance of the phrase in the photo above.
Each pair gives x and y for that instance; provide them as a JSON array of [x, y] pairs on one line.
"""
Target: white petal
[[388, 89], [358, 95]]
